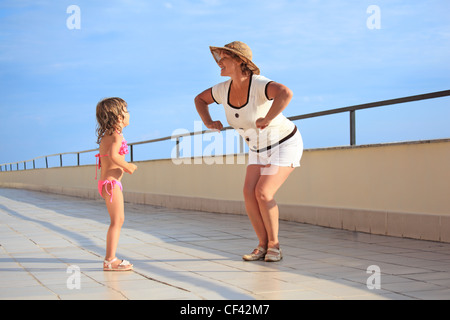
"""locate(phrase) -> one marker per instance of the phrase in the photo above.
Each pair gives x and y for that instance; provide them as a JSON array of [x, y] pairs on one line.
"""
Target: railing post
[[34, 164], [178, 147], [352, 128], [131, 153], [241, 144], [46, 162], [78, 159], [60, 160]]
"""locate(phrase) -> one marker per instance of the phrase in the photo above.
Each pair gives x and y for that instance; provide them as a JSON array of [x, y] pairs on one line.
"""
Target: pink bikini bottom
[[111, 184]]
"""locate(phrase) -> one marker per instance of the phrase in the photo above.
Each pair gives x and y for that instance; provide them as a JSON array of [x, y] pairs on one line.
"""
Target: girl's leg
[[251, 203], [265, 190], [117, 216]]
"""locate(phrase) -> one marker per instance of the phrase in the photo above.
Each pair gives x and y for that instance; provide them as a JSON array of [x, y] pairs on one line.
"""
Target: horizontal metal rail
[[351, 110]]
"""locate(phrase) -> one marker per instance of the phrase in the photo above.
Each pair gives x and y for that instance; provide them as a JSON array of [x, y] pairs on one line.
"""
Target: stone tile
[[192, 255]]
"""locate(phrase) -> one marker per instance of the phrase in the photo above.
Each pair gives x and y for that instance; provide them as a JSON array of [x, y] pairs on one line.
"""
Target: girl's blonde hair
[[109, 112]]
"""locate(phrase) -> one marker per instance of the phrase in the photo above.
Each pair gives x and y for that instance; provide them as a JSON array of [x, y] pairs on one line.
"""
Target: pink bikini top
[[124, 147], [122, 151]]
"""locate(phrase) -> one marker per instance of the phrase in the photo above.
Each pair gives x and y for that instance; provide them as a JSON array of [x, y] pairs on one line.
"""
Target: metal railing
[[351, 110]]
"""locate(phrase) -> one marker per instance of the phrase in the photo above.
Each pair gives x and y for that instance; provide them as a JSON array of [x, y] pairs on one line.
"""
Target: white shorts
[[286, 154]]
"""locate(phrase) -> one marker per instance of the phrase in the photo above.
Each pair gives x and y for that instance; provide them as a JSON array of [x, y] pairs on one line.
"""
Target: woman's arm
[[281, 96], [202, 102]]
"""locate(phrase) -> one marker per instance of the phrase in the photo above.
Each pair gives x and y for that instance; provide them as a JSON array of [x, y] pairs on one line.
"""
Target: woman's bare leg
[[251, 203], [265, 189]]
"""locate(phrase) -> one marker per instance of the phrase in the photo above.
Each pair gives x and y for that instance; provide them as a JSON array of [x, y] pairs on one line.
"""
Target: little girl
[[112, 117]]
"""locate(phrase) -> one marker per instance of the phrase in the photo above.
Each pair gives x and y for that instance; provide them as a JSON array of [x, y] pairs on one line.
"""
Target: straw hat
[[239, 48]]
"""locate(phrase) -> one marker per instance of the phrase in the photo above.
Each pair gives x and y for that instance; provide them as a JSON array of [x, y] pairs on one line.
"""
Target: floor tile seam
[[429, 281], [176, 265], [196, 273], [343, 277], [23, 236], [392, 264], [86, 274], [208, 248], [427, 253], [38, 225], [69, 240], [397, 293], [338, 297], [429, 270], [243, 238], [190, 254], [64, 263], [405, 250], [410, 294], [384, 291], [387, 261], [25, 269], [306, 289], [166, 283], [244, 270], [397, 256], [222, 282], [201, 274]]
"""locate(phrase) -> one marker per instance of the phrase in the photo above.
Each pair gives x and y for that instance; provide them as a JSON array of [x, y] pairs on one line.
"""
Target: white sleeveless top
[[243, 119]]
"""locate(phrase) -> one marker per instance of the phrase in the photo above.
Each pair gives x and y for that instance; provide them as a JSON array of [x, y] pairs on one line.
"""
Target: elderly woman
[[253, 106]]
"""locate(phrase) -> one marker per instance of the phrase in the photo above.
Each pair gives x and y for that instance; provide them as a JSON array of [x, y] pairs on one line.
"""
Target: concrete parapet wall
[[398, 189]]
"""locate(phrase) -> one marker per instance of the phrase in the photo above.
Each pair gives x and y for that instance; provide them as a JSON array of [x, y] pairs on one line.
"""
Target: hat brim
[[215, 52]]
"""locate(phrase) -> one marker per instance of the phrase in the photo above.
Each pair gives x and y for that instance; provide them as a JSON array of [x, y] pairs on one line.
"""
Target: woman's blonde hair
[[109, 112]]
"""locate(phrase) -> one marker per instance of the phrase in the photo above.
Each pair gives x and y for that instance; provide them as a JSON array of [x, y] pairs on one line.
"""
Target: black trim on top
[[290, 135], [248, 94], [213, 96], [265, 90]]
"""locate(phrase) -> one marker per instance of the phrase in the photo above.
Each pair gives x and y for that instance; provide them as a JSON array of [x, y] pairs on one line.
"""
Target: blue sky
[[155, 55]]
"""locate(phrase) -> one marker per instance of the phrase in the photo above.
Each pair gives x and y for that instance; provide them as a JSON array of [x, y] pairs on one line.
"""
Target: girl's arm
[[281, 96], [202, 101], [116, 158]]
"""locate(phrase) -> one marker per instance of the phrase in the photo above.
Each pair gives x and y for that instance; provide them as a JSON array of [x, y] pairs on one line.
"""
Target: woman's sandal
[[257, 254], [123, 266], [273, 255]]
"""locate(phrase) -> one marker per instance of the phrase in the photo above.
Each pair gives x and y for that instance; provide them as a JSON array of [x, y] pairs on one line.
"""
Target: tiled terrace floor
[[188, 255]]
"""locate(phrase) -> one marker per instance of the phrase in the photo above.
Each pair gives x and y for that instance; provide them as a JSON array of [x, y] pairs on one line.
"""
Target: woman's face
[[228, 65], [125, 121]]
